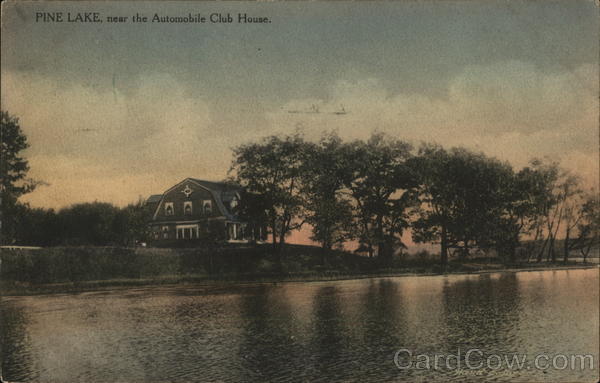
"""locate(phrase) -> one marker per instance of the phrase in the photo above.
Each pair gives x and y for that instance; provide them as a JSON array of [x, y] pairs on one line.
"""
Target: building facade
[[196, 209]]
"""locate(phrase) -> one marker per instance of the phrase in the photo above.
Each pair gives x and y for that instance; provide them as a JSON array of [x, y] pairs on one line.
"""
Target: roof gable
[[222, 193]]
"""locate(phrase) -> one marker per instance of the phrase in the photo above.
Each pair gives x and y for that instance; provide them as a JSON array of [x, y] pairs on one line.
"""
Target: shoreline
[[233, 281]]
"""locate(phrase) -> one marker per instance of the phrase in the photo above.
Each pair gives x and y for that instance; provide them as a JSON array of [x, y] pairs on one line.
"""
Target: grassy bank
[[64, 269]]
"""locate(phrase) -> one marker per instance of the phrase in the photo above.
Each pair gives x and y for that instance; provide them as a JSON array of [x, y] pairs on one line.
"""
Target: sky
[[114, 112]]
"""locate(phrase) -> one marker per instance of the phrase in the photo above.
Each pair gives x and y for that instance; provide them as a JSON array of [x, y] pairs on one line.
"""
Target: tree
[[327, 209], [525, 198], [131, 223], [253, 209], [537, 185], [13, 170], [96, 224], [588, 225], [571, 196], [461, 195], [38, 227], [560, 191], [382, 186], [271, 169]]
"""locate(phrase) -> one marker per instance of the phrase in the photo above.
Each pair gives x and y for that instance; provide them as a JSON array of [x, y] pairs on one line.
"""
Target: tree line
[[368, 192], [96, 223], [83, 224], [372, 191]]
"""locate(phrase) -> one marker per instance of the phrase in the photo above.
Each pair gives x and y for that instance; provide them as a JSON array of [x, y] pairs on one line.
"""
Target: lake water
[[318, 331]]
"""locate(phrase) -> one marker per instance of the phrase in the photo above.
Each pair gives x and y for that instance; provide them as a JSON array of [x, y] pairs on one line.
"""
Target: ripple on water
[[318, 332]]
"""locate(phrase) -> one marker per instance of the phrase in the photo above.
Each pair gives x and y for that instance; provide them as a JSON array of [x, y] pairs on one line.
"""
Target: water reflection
[[383, 328], [482, 312], [269, 348], [326, 331], [330, 339], [15, 348]]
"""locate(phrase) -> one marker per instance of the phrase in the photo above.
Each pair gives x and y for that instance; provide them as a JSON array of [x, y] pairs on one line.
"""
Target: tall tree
[[525, 196], [461, 195], [13, 172], [571, 196], [588, 225], [272, 169], [328, 209], [560, 188], [382, 186], [541, 179]]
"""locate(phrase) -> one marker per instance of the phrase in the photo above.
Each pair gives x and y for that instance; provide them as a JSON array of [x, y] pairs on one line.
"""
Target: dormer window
[[169, 208], [187, 207], [233, 203], [207, 206]]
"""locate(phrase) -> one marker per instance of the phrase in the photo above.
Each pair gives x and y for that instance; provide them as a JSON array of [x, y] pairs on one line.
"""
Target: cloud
[[515, 96], [114, 142], [91, 142], [510, 110]]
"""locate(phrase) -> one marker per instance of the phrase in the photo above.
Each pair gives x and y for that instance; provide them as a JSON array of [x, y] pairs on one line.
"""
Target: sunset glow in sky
[[118, 111]]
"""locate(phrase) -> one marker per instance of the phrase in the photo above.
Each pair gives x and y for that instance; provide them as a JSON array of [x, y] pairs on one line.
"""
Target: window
[[187, 208], [165, 232], [234, 231], [207, 206], [187, 232], [169, 208], [187, 191], [230, 231], [242, 232]]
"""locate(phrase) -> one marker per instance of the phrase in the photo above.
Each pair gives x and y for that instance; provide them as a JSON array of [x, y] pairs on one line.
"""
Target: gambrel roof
[[154, 198], [222, 192]]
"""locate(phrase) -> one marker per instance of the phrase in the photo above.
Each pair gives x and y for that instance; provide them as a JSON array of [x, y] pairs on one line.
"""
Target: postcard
[[325, 191]]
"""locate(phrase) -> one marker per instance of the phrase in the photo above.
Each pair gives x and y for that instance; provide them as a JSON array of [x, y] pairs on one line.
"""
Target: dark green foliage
[[131, 224], [253, 210], [38, 227], [526, 197], [588, 226], [464, 199], [76, 264], [382, 186], [13, 167], [328, 208], [270, 171], [370, 191], [13, 170], [96, 224]]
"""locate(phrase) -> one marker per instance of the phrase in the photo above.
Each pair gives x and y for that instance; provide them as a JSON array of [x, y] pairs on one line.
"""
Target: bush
[[265, 266]]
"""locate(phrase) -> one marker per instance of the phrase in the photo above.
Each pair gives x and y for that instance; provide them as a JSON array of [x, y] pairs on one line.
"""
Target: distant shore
[[232, 280]]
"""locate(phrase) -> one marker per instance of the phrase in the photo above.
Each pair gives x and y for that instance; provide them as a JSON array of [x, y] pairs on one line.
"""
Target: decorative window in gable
[[207, 206], [187, 207], [187, 191], [169, 208]]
